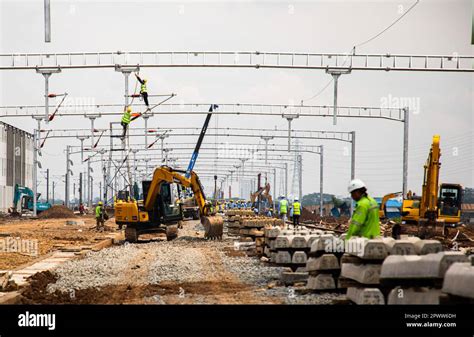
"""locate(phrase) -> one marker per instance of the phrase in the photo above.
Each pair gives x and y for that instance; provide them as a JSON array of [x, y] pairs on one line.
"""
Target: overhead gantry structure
[[334, 64]]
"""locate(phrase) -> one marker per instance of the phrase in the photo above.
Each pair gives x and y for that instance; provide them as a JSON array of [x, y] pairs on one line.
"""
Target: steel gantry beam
[[301, 134], [227, 132], [237, 59], [393, 114], [279, 110], [153, 155], [316, 149]]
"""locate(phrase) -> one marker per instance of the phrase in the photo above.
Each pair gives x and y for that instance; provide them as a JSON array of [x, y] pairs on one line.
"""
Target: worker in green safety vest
[[283, 207], [126, 119], [99, 217], [296, 213], [365, 220], [143, 89]]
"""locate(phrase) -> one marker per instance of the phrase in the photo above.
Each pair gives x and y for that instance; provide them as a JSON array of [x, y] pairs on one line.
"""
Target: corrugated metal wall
[[16, 162]]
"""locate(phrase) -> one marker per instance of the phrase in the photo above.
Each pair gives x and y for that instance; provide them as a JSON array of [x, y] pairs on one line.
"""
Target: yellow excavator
[[159, 213], [440, 205]]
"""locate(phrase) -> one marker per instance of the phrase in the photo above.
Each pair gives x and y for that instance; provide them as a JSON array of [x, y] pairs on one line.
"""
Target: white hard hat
[[355, 184], [296, 199]]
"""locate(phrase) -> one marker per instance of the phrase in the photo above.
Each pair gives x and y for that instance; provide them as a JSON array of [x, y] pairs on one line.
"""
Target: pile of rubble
[[57, 212]]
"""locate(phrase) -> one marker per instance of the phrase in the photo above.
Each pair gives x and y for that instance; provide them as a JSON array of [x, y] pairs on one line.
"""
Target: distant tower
[[295, 191]]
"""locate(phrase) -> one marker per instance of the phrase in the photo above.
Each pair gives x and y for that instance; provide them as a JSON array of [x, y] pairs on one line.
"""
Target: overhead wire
[[352, 51]]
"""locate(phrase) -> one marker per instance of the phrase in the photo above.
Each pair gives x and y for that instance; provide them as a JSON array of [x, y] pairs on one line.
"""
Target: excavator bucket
[[213, 226], [431, 229]]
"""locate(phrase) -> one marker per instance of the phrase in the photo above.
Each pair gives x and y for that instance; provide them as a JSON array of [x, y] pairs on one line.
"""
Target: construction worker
[[283, 204], [365, 220], [100, 217], [81, 209], [126, 118], [296, 213], [143, 90]]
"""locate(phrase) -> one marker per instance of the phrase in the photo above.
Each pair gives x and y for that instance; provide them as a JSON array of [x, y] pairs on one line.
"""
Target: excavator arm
[[263, 191], [213, 224], [429, 197]]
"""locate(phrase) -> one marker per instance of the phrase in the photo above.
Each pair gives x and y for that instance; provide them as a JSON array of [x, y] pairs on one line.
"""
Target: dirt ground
[[188, 270], [215, 283], [50, 233], [215, 292]]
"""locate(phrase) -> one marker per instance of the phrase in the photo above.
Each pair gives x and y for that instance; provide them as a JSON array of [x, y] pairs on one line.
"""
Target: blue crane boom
[[192, 162]]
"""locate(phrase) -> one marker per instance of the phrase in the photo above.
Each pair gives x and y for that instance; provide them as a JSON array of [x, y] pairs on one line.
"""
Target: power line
[[358, 45], [383, 31]]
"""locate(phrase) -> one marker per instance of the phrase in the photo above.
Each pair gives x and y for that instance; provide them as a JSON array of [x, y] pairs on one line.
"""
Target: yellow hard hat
[[129, 109], [145, 80], [100, 203]]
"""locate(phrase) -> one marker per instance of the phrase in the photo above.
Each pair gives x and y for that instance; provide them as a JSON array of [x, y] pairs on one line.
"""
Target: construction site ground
[[187, 270], [51, 235]]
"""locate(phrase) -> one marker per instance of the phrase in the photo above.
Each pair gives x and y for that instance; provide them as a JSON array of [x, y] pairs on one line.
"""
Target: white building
[[16, 162]]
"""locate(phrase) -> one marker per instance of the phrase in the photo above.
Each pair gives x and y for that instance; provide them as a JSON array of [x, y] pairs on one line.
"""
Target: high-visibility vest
[[296, 208], [365, 220], [283, 206], [126, 117], [143, 88], [98, 212]]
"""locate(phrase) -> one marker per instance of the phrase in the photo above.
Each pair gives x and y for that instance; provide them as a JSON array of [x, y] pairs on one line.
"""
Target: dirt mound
[[57, 212]]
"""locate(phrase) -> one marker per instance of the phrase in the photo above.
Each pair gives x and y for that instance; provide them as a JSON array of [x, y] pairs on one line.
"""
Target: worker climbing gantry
[[143, 90], [126, 119]]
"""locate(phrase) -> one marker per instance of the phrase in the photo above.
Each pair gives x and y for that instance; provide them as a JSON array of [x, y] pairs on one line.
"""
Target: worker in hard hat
[[143, 90], [100, 217], [283, 207], [296, 212], [126, 118], [365, 220]]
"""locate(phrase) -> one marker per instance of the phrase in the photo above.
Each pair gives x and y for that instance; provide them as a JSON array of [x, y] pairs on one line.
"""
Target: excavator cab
[[123, 195], [165, 209], [449, 203]]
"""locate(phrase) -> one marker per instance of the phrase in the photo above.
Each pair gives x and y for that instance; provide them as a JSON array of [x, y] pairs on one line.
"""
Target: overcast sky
[[444, 100]]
